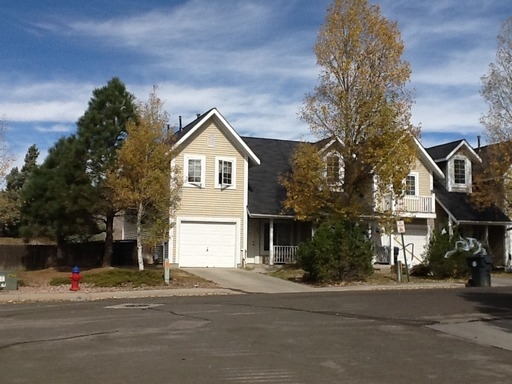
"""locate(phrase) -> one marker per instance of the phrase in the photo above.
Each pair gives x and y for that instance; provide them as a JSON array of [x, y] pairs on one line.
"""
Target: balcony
[[412, 205]]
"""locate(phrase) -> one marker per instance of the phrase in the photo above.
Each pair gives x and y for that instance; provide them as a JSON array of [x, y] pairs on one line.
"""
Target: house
[[231, 210], [417, 208], [454, 206]]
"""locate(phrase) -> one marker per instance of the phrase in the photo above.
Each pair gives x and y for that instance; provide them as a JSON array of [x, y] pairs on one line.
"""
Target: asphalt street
[[391, 336]]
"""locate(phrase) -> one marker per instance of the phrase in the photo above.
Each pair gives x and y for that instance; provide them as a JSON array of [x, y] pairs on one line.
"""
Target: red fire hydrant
[[75, 278]]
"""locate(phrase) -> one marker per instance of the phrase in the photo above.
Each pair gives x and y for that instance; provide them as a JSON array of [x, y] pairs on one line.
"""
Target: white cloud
[[55, 128]]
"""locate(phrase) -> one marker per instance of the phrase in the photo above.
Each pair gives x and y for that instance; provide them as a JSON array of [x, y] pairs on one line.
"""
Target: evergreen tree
[[57, 197], [101, 131]]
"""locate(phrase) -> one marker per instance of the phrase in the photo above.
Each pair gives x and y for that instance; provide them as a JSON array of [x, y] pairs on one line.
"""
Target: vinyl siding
[[209, 201], [424, 178]]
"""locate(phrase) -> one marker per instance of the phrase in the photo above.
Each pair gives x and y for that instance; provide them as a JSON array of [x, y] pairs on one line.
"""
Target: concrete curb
[[17, 297]]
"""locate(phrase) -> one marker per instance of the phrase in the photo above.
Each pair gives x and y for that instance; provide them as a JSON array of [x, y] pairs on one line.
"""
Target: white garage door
[[207, 244], [417, 235]]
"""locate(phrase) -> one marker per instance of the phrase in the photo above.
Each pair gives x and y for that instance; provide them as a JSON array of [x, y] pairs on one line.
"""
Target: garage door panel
[[207, 244]]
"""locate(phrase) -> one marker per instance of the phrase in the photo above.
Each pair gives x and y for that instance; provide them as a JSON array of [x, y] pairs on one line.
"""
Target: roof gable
[[427, 160], [446, 151], [186, 132]]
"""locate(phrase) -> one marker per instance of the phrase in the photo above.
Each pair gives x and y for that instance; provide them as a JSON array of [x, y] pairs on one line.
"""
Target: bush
[[337, 252], [442, 267], [117, 278]]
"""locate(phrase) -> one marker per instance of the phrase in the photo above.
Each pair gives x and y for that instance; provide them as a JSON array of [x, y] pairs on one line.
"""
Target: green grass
[[117, 278]]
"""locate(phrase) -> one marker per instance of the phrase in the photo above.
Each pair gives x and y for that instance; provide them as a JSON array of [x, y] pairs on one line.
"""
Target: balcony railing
[[285, 254], [412, 204]]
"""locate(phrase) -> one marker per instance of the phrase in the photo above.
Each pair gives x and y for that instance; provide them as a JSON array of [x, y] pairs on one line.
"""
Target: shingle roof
[[462, 209], [266, 194], [440, 152]]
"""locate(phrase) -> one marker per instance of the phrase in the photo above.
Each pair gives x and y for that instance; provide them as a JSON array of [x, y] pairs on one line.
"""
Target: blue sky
[[252, 59]]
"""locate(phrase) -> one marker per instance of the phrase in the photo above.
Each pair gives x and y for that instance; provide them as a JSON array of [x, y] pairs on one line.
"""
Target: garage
[[417, 235], [207, 244]]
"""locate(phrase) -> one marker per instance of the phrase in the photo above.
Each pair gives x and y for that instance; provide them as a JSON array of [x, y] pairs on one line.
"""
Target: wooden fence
[[85, 255]]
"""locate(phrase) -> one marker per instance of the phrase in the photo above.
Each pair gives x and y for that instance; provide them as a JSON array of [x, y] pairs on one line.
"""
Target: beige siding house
[[209, 228], [231, 211]]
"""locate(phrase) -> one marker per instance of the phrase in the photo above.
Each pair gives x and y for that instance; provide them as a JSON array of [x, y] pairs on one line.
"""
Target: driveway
[[248, 281]]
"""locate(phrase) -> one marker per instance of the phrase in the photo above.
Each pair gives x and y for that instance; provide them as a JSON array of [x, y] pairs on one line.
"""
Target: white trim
[[192, 156], [463, 143], [232, 160], [416, 176], [426, 158], [245, 218], [214, 113]]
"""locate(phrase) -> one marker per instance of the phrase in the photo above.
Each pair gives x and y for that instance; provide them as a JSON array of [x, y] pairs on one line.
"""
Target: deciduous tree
[[493, 184], [143, 179], [10, 197], [362, 101]]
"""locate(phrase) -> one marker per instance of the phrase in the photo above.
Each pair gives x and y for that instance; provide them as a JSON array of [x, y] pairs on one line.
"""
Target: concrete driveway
[[248, 281]]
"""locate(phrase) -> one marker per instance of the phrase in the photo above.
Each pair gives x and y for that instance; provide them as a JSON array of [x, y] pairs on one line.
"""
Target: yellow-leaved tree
[[493, 181], [144, 179], [362, 103]]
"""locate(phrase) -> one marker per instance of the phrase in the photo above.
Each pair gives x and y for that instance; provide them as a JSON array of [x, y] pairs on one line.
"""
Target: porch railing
[[285, 254]]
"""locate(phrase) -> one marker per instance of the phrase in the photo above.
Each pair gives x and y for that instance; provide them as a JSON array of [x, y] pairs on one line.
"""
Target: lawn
[[113, 277]]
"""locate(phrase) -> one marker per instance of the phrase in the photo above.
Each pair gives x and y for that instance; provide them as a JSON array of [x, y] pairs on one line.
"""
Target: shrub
[[337, 252], [442, 267]]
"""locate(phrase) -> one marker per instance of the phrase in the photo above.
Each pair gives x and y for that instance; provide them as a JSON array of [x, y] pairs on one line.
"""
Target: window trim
[[464, 162], [341, 170], [186, 159], [232, 160], [416, 184]]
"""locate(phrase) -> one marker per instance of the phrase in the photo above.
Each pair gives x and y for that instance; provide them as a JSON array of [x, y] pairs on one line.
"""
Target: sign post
[[400, 226]]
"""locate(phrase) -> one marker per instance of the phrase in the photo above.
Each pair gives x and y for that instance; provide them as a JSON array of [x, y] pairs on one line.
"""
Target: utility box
[[8, 280]]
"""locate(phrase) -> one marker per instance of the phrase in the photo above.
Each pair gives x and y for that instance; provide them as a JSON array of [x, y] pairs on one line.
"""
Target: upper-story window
[[334, 171], [459, 171], [225, 173], [411, 185], [195, 170]]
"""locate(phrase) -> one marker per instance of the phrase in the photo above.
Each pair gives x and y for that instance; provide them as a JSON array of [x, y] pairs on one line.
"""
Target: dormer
[[333, 159], [456, 161]]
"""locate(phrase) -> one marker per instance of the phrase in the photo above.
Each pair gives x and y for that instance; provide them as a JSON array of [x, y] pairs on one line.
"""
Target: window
[[410, 185], [194, 170], [225, 173], [459, 171], [333, 169]]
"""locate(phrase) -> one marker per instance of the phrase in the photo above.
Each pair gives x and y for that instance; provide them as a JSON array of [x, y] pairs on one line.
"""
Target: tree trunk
[[139, 237], [109, 239]]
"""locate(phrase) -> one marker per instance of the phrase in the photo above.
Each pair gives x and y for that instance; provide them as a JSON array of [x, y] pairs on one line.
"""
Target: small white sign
[[400, 226], [2, 278]]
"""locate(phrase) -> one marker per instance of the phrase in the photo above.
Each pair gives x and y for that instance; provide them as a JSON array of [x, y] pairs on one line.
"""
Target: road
[[413, 336]]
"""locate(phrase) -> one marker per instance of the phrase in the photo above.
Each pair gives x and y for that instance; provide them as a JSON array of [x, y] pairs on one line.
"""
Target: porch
[[275, 241], [285, 254]]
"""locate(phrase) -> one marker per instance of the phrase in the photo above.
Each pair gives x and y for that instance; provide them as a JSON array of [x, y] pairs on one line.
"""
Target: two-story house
[[416, 208], [231, 210], [489, 225]]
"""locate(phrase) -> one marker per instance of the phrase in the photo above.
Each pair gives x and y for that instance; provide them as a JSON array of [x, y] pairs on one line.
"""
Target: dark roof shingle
[[266, 194]]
